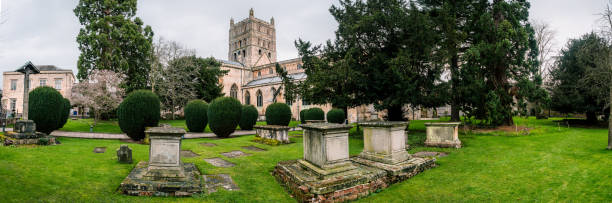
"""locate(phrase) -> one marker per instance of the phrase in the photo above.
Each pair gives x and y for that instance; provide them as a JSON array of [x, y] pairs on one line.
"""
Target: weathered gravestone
[[274, 132], [124, 154], [443, 134], [326, 173], [165, 174], [385, 148]]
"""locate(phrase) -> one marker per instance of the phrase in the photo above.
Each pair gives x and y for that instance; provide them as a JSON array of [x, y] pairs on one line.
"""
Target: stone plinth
[[164, 174], [326, 148], [275, 132], [443, 135], [25, 133], [384, 142]]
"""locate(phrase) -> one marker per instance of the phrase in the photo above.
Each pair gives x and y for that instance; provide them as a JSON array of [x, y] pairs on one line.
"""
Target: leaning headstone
[[124, 154], [164, 174], [385, 148], [443, 134], [326, 174]]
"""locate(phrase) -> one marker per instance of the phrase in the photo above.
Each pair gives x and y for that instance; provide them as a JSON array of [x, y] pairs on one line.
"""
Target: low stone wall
[[275, 132]]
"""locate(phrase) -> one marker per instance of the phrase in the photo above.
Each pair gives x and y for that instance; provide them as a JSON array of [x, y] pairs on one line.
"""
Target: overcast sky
[[44, 31]]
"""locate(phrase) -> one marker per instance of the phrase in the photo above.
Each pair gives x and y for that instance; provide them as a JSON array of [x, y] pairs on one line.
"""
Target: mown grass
[[553, 164], [111, 126]]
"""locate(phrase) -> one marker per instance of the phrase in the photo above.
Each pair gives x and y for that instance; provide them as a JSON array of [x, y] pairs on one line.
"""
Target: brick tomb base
[[137, 184]]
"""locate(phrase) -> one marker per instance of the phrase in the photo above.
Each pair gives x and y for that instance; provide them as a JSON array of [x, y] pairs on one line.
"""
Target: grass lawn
[[111, 126], [551, 164]]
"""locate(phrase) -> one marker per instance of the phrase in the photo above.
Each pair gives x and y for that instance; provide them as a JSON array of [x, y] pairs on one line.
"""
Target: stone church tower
[[252, 42]]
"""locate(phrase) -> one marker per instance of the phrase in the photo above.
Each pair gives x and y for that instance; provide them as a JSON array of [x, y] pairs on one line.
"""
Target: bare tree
[[606, 30], [545, 38], [173, 75], [100, 93]]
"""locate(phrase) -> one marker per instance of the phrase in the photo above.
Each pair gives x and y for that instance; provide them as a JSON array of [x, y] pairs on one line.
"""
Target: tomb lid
[[272, 127], [384, 123], [28, 66], [166, 130], [326, 126], [443, 124]]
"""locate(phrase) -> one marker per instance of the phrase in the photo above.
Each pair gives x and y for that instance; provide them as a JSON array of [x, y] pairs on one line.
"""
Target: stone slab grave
[[215, 181], [253, 148], [25, 133], [326, 173], [219, 162], [207, 144], [443, 134], [274, 132], [188, 154], [385, 148], [234, 154], [99, 150], [164, 174]]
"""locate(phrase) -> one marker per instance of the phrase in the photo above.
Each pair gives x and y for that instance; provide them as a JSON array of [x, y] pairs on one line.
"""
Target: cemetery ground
[[553, 163]]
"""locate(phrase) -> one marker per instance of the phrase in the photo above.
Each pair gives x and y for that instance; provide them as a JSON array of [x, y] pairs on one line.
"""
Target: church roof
[[230, 62], [276, 79]]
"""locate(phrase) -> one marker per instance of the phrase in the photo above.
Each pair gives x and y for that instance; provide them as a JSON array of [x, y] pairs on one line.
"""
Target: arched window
[[240, 43], [234, 91], [258, 73], [259, 98], [269, 55], [270, 70], [260, 52], [235, 57], [247, 98], [243, 53], [299, 66]]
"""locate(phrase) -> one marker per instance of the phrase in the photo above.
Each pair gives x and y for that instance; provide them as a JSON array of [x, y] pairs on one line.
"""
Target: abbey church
[[251, 63]]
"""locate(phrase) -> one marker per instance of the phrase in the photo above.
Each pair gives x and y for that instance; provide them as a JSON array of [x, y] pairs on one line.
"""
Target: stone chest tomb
[[164, 174], [443, 134], [274, 132]]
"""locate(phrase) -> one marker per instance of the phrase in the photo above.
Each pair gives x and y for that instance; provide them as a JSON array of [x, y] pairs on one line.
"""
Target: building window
[[58, 84], [259, 98], [288, 102], [235, 57], [270, 70], [243, 53], [13, 104], [247, 98], [299, 66], [43, 82], [240, 43], [258, 73], [234, 91], [13, 84], [269, 55], [260, 52]]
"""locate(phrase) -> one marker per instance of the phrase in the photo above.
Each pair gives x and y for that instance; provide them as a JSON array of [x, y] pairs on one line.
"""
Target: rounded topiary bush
[[195, 115], [302, 115], [140, 109], [223, 115], [335, 116], [278, 114], [46, 108], [65, 113], [314, 114], [249, 117]]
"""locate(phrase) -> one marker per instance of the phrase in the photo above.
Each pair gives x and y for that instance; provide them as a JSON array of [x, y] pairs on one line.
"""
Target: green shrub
[[356, 132], [43, 141], [66, 113], [278, 114], [195, 115], [315, 114], [249, 117], [335, 116], [140, 109], [302, 115], [46, 108], [223, 115]]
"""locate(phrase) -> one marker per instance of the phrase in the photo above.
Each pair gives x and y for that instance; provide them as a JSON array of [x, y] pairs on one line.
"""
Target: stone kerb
[[275, 132], [384, 142], [164, 174], [315, 121], [444, 134]]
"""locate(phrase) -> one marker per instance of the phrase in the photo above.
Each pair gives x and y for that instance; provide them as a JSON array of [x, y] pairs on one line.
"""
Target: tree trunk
[[395, 113], [591, 117], [610, 121], [454, 96]]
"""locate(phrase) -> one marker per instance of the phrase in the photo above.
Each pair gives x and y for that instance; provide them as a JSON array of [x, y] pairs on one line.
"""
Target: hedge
[[46, 109], [195, 115], [248, 118], [335, 116], [223, 115], [140, 109], [278, 114]]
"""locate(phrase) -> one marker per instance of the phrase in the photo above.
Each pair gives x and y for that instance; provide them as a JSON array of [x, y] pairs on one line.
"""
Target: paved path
[[115, 136]]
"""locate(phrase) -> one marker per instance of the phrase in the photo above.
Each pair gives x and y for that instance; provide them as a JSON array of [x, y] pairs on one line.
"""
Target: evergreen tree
[[113, 39]]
